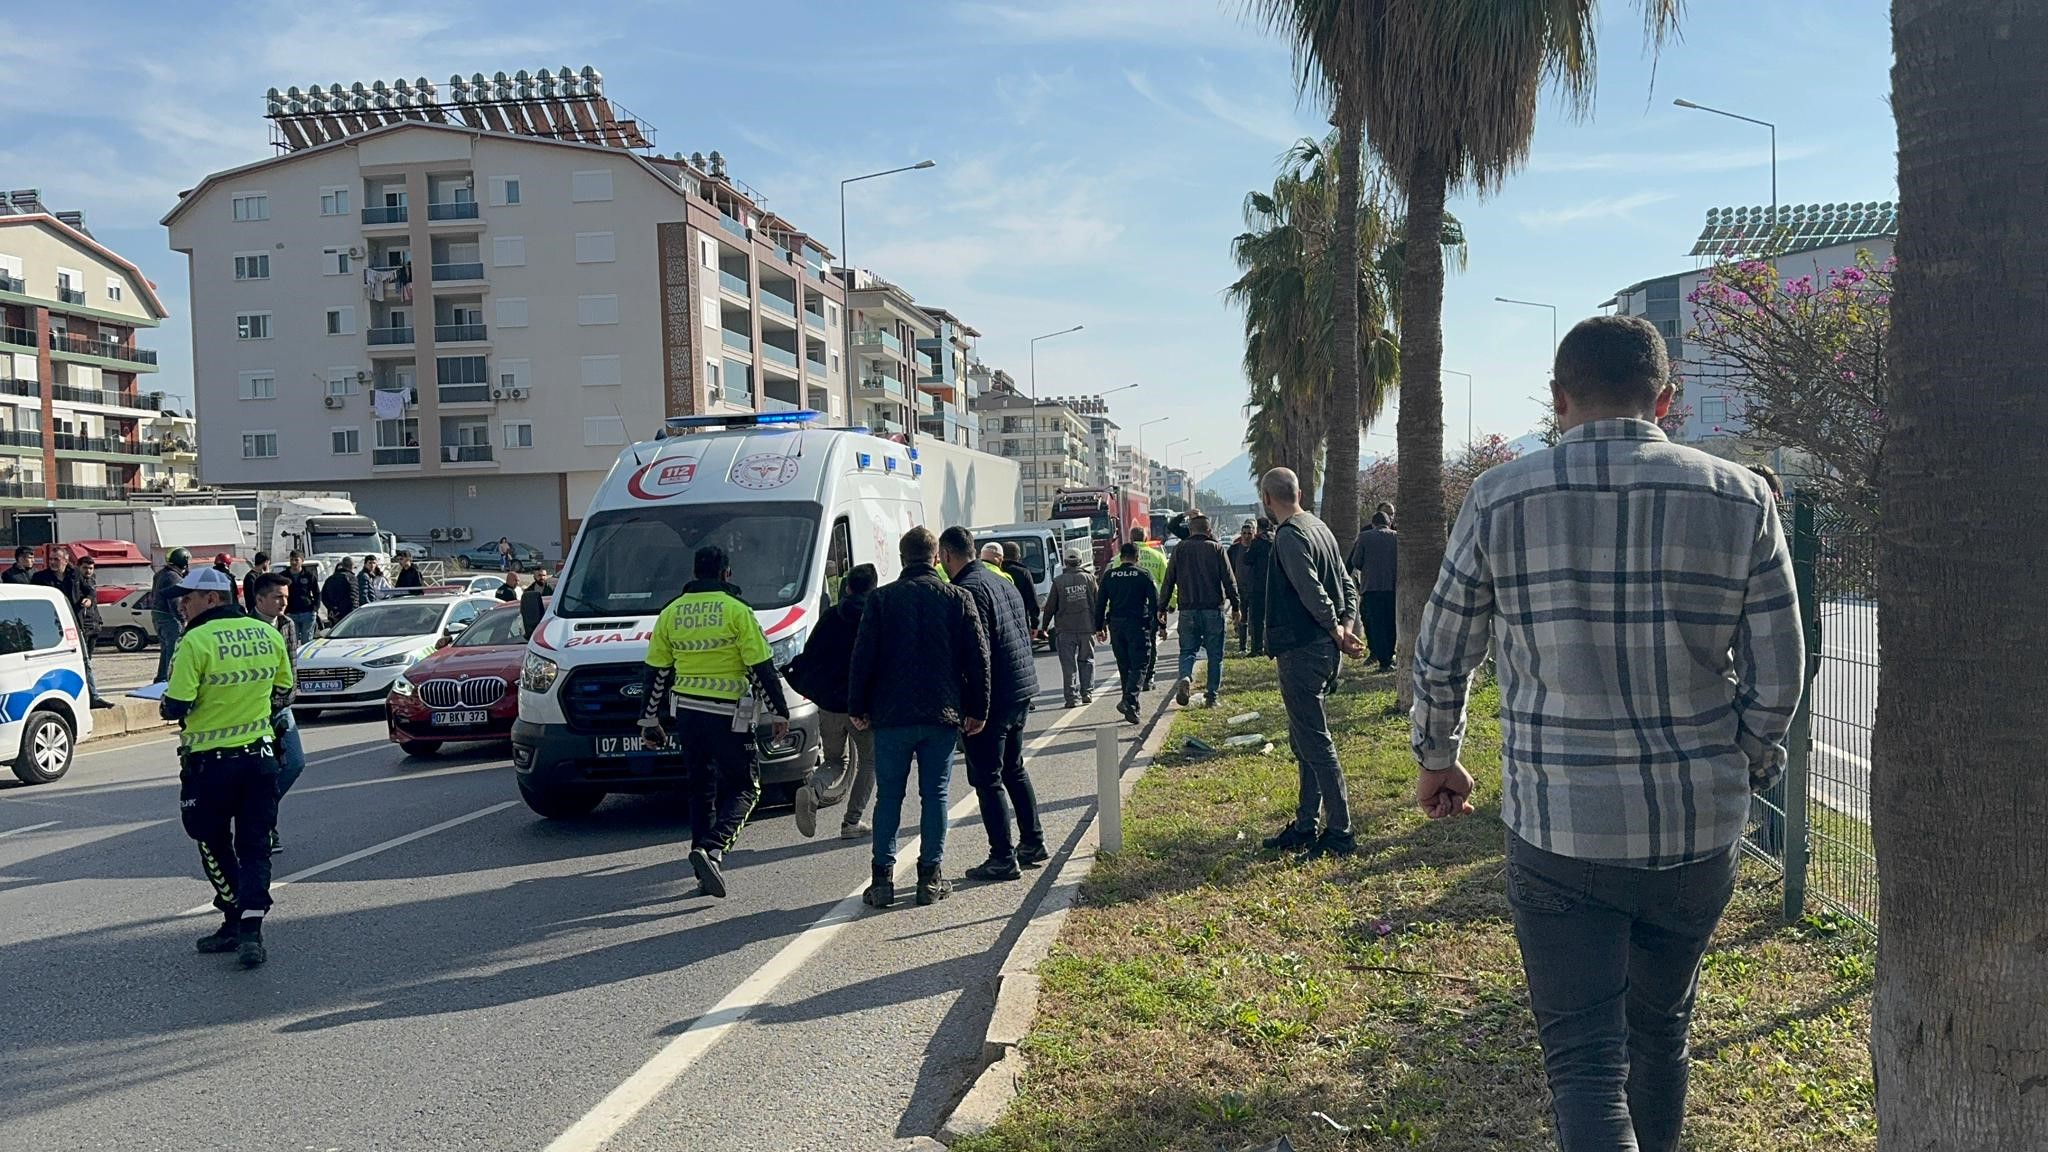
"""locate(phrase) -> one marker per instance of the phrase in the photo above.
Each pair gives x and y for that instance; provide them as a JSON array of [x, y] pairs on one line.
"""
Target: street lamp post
[[1468, 400], [846, 328], [1034, 355], [1684, 103], [1537, 304]]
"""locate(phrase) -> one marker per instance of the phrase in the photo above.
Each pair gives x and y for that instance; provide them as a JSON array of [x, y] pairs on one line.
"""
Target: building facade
[[463, 326], [76, 410], [1048, 439], [953, 384]]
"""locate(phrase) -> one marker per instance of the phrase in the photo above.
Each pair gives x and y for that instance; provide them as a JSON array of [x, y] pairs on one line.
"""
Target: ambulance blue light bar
[[745, 420]]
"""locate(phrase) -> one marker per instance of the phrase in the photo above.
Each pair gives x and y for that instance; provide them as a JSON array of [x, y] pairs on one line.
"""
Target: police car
[[353, 666], [44, 710]]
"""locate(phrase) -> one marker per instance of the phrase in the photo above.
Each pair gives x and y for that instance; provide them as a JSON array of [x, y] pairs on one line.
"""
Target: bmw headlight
[[538, 673], [389, 661], [785, 649], [402, 687]]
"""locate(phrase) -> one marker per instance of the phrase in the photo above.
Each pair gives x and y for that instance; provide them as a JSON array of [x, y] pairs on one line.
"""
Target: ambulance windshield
[[633, 561]]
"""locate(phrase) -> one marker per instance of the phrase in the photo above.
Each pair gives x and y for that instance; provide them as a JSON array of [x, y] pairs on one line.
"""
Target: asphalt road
[[1844, 706], [448, 971]]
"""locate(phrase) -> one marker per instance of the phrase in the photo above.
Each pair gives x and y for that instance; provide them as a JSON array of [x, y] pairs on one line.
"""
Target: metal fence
[[1816, 825]]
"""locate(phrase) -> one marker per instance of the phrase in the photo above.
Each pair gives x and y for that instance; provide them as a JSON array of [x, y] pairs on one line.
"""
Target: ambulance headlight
[[538, 673], [784, 650]]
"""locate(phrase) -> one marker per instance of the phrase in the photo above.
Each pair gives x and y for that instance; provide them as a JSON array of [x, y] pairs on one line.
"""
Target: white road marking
[[30, 828], [452, 770], [1859, 761], [653, 1078], [127, 747], [372, 850]]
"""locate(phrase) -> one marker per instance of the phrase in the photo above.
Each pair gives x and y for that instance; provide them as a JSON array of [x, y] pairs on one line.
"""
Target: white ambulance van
[[784, 498]]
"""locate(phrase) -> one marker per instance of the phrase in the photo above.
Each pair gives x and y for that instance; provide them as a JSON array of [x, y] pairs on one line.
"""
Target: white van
[[44, 709], [783, 498]]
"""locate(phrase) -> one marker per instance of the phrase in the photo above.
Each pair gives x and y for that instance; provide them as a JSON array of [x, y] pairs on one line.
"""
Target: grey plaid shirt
[[1650, 656]]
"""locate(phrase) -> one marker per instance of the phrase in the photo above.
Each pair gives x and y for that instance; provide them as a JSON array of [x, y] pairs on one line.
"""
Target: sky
[[1092, 156]]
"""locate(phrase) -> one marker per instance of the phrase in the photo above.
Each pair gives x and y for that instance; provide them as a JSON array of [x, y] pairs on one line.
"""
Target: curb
[[1017, 983], [127, 717]]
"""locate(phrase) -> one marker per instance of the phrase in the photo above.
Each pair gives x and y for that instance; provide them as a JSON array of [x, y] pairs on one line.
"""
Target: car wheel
[[462, 562], [46, 748], [420, 748], [130, 639], [559, 803]]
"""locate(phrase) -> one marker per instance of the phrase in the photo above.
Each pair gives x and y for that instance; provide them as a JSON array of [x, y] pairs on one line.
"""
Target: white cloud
[[1598, 208]]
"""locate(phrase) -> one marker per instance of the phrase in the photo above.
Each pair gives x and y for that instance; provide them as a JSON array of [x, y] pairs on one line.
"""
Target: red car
[[468, 689]]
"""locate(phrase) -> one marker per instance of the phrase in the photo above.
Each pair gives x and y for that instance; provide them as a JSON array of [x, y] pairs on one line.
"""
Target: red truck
[[1111, 514]]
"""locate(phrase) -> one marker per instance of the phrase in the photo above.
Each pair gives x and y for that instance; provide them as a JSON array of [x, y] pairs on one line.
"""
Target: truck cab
[[785, 499]]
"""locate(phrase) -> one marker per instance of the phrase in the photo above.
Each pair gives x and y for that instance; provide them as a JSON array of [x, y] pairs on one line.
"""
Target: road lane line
[[1860, 761], [451, 770], [30, 828], [653, 1078], [372, 850]]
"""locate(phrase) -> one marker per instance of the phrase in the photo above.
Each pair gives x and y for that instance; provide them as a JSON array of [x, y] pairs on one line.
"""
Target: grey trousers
[[1305, 674], [1077, 663], [838, 778]]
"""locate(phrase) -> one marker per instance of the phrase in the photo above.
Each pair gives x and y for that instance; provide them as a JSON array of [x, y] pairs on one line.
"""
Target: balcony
[[104, 445], [733, 226], [814, 368], [388, 336], [777, 304], [383, 456], [104, 349], [14, 386], [876, 387], [466, 454], [737, 285], [877, 338], [444, 272], [18, 490], [771, 404], [779, 356], [71, 295], [457, 333], [89, 492], [388, 214], [814, 320], [20, 438], [10, 284], [456, 210], [736, 340], [738, 397], [71, 394], [19, 337]]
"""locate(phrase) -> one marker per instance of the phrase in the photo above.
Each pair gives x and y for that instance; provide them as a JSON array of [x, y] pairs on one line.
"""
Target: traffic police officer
[[1153, 561], [230, 674], [707, 659]]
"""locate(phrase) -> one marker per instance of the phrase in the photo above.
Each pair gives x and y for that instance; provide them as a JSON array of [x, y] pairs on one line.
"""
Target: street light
[[1684, 103], [1468, 399], [1034, 355], [1537, 304], [846, 329]]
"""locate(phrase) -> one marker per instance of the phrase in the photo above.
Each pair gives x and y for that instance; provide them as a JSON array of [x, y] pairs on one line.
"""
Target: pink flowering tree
[[1382, 480], [1808, 356]]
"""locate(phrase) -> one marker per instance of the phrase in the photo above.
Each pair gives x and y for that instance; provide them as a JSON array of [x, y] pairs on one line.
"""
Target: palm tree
[[1959, 804]]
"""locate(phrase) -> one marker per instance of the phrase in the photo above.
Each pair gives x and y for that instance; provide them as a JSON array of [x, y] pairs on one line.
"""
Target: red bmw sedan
[[468, 689]]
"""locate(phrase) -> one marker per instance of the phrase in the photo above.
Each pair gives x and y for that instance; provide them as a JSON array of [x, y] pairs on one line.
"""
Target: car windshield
[[633, 561], [1033, 548], [352, 543], [493, 629], [389, 620]]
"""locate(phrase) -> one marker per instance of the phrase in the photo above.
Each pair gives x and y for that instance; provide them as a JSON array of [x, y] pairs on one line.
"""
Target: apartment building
[[76, 414], [887, 341], [1048, 439], [460, 304], [1102, 436], [953, 384], [1132, 469]]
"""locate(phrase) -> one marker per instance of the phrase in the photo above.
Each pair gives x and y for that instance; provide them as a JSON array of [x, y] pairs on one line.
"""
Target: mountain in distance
[[1234, 481]]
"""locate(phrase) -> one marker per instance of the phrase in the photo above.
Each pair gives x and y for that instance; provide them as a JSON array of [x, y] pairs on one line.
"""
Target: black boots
[[881, 888], [994, 869], [224, 937], [710, 877], [931, 886], [249, 943]]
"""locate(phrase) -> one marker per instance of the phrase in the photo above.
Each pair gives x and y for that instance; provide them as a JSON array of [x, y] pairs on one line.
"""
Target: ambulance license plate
[[460, 718], [621, 745]]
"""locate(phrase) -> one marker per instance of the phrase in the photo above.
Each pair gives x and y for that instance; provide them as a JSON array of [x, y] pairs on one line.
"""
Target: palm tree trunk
[[1959, 800], [1340, 463], [1419, 434]]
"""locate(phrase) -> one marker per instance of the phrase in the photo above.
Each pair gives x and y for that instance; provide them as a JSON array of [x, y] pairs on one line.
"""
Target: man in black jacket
[[533, 603], [1126, 607], [75, 584], [820, 672], [339, 593], [302, 597], [164, 616], [409, 576], [920, 678], [1013, 567], [995, 755], [1258, 568], [1246, 533], [258, 569], [23, 570], [1198, 581], [1372, 562]]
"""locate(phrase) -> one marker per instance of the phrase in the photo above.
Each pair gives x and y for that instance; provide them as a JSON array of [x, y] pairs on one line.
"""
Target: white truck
[[325, 527], [784, 498]]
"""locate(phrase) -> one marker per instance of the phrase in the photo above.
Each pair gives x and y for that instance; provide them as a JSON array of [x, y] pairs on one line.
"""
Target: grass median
[[1205, 994]]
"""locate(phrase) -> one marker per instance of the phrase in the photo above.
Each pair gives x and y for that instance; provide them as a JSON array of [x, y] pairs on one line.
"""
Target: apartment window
[[113, 288], [1713, 409], [252, 265], [597, 310], [250, 206], [835, 363], [341, 321], [259, 445], [259, 385], [504, 190], [508, 251], [595, 184], [334, 262], [347, 441], [596, 248], [511, 312], [334, 201], [602, 431], [708, 251], [10, 266], [831, 314], [518, 434], [342, 381], [462, 379], [513, 373], [252, 326], [600, 371]]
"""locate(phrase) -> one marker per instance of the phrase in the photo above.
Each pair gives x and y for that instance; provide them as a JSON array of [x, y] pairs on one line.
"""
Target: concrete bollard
[[1109, 793]]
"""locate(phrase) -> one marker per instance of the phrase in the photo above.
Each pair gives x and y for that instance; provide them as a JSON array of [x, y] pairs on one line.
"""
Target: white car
[[44, 711], [354, 664]]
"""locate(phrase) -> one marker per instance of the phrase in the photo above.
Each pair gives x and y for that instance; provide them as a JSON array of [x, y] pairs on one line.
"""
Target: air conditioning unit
[[519, 393], [497, 393], [355, 253], [334, 401], [438, 534], [461, 535]]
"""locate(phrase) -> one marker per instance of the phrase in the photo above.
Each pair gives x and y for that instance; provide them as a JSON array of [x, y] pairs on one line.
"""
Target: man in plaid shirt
[[1650, 655]]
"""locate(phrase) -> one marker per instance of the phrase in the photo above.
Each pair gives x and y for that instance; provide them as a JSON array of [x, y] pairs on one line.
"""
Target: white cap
[[207, 580], [1075, 556]]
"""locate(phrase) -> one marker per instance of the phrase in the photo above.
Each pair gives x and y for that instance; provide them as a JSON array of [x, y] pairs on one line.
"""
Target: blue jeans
[[305, 624], [1202, 628], [168, 629], [291, 753], [932, 744]]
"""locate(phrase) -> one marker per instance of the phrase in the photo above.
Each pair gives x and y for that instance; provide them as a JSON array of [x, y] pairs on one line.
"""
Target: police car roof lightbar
[[745, 420]]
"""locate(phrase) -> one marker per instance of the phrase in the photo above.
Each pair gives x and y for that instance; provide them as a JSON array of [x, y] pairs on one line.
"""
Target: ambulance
[[785, 498]]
